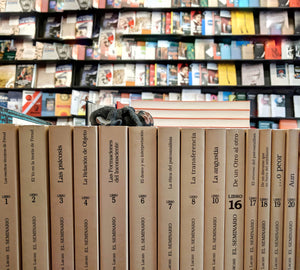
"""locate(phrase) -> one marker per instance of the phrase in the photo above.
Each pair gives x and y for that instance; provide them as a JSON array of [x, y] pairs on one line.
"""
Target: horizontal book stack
[[148, 198]]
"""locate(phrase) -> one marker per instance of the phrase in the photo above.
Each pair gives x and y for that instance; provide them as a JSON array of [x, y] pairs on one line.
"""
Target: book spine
[[85, 160], [298, 220], [9, 198], [290, 199], [214, 198], [277, 192], [234, 213], [264, 199], [251, 194], [152, 77], [168, 197], [192, 199], [142, 198], [113, 197], [33, 154], [61, 196], [168, 22]]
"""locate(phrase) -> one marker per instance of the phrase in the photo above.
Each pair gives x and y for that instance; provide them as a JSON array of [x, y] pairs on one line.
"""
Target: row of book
[[129, 49], [73, 26], [163, 198], [17, 25]]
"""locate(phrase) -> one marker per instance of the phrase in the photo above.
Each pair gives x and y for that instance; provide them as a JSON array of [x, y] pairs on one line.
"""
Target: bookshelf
[[78, 62]]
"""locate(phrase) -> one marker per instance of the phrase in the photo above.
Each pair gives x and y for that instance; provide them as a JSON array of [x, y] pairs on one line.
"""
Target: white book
[[195, 70], [287, 49], [294, 74], [75, 102], [105, 75], [140, 74], [174, 96], [279, 74], [296, 99], [150, 50], [209, 25], [277, 105], [264, 105], [126, 22], [19, 5], [200, 45], [119, 75], [130, 74], [190, 94], [156, 22], [253, 74]]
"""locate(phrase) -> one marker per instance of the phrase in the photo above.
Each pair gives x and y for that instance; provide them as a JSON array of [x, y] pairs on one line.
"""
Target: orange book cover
[[9, 198], [63, 104], [272, 49]]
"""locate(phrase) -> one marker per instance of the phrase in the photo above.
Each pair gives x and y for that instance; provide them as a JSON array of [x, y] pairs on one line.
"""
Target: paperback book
[[52, 29], [48, 104], [105, 75], [252, 74], [7, 76], [63, 76], [279, 74], [24, 76], [32, 103], [278, 105], [84, 26], [88, 75], [63, 104], [27, 26]]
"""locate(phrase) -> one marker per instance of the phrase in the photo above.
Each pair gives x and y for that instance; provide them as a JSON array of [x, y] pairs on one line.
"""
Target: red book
[[152, 75], [272, 50], [168, 22]]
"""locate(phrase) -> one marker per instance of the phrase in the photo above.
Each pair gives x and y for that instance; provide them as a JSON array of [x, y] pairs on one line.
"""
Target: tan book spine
[[142, 198], [34, 192], [61, 197], [290, 200], [86, 202], [277, 193], [168, 203], [192, 199], [251, 195], [234, 212], [298, 217], [9, 198], [264, 177], [113, 164], [214, 198]]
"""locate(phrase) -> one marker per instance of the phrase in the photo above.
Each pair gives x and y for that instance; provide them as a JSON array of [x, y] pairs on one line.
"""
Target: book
[[277, 193], [227, 74], [214, 198], [17, 6], [32, 103], [88, 75], [192, 198], [7, 76], [24, 76], [183, 74], [185, 22], [263, 105], [156, 22], [63, 76], [52, 28], [272, 49], [48, 104], [168, 201], [67, 28], [34, 196], [142, 197], [251, 198], [86, 198], [63, 104], [119, 75], [287, 49], [105, 75], [279, 74], [45, 76], [140, 74], [113, 197], [264, 188], [278, 105], [290, 199], [294, 74], [213, 74], [252, 74], [14, 101], [142, 23], [296, 102], [27, 26], [126, 22], [10, 250], [61, 196], [234, 202], [84, 26], [161, 74]]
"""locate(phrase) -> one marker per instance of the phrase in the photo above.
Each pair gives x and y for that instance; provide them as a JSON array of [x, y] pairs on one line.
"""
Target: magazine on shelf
[[105, 75], [88, 75], [119, 75], [263, 105], [253, 74], [294, 74], [32, 103], [27, 26], [68, 23], [126, 22], [279, 74], [63, 76], [212, 72], [7, 76], [278, 105], [25, 50], [45, 76], [107, 44], [19, 5], [52, 29], [25, 76], [84, 26]]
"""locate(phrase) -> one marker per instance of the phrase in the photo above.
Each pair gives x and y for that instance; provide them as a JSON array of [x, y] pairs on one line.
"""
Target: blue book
[[48, 104], [254, 3], [236, 51], [243, 3], [225, 51]]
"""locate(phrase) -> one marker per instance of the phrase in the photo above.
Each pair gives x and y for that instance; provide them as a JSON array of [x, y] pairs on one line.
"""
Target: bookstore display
[[111, 52], [166, 197]]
